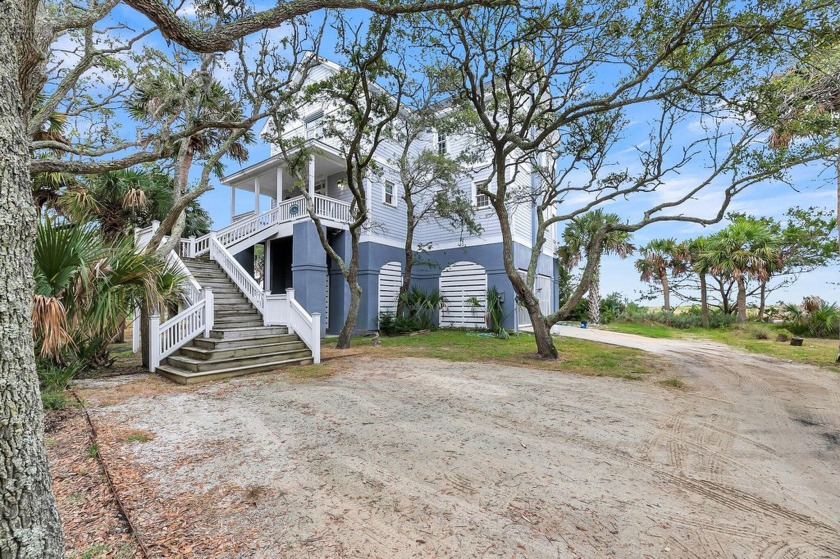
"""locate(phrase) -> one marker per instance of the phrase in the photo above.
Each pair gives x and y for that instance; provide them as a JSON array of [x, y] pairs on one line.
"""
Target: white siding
[[390, 279], [459, 284]]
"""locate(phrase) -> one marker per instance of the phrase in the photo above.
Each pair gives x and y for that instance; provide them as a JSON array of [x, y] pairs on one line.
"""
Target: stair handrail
[[193, 291], [306, 326], [231, 233], [142, 237], [243, 280], [175, 333]]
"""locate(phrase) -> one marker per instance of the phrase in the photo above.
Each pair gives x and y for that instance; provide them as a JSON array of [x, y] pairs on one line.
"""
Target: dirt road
[[425, 458]]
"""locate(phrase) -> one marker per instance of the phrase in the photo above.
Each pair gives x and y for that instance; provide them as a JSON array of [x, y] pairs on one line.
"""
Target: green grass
[[672, 383], [94, 552], [100, 550], [578, 356], [54, 399], [815, 351], [138, 437], [647, 330], [93, 450]]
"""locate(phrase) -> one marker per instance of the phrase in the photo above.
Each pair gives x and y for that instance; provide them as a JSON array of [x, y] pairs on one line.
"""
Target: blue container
[[583, 323]]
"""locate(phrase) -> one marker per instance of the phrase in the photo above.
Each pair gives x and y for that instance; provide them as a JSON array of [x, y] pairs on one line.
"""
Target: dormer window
[[441, 137], [314, 125]]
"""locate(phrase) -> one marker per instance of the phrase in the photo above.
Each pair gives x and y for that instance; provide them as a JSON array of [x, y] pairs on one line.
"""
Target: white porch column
[[279, 184], [232, 202], [257, 196], [311, 177]]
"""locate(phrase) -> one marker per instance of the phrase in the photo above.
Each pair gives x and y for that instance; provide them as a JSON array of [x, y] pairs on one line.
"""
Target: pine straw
[[171, 521], [90, 517]]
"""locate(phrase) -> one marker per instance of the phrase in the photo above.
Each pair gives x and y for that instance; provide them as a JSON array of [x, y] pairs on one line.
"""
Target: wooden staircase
[[238, 343]]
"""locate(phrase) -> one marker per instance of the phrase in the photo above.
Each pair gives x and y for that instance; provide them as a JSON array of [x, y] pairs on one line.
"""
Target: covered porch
[[272, 236], [269, 184]]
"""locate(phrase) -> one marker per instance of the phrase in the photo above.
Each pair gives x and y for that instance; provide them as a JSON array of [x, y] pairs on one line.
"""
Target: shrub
[[759, 331], [691, 318], [612, 307], [54, 379], [580, 312], [54, 400], [814, 317], [391, 325]]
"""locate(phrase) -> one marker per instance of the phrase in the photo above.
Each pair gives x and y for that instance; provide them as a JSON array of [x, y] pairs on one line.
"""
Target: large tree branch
[[222, 38]]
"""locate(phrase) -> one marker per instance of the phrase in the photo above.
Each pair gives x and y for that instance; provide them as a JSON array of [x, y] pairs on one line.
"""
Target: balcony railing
[[286, 211]]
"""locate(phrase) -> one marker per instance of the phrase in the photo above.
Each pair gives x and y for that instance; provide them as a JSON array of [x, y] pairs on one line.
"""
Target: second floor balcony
[[268, 187]]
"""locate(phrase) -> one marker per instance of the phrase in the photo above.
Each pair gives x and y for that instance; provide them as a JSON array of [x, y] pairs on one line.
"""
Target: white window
[[441, 143], [389, 196], [314, 125], [481, 200], [321, 188]]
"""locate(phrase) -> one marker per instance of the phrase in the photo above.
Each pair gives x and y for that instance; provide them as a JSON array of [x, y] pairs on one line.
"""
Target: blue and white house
[[463, 267], [229, 323]]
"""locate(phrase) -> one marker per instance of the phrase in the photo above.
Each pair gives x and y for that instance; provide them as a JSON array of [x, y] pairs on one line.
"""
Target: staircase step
[[215, 283], [203, 354], [217, 343], [236, 310], [228, 299], [240, 333], [190, 364], [186, 377], [225, 291], [237, 324]]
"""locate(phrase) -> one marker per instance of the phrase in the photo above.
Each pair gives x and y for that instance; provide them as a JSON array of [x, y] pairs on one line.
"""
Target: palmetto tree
[[589, 236], [659, 257], [115, 200], [745, 250], [696, 252], [188, 100], [85, 286], [120, 200]]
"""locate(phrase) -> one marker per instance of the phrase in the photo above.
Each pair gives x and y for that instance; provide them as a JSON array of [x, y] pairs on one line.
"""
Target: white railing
[[144, 235], [276, 309], [243, 280], [291, 209], [286, 211], [306, 326], [192, 292], [333, 209], [166, 338]]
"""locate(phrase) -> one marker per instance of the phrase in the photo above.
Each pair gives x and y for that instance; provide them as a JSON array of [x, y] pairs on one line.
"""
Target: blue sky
[[814, 186]]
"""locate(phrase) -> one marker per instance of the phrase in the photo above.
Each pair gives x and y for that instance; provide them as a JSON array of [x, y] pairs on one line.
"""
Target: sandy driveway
[[425, 458]]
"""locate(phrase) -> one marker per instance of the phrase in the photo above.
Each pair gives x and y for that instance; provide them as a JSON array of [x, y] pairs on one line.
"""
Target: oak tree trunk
[[409, 257], [352, 277], [29, 524], [542, 331]]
